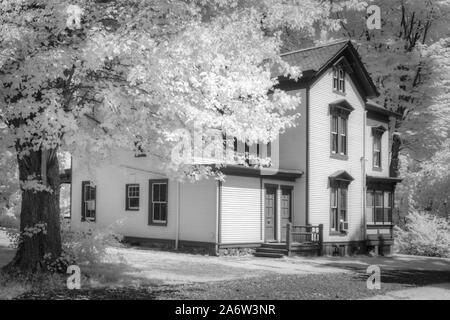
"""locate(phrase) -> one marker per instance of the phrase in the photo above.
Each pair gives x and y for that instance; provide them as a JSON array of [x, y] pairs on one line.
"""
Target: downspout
[[307, 160], [177, 234], [218, 214], [71, 188], [363, 173]]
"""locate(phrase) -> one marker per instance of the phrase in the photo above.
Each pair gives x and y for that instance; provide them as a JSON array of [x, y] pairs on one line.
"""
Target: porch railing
[[307, 234]]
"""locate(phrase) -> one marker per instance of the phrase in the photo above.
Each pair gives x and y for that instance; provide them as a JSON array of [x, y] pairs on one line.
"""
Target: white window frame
[[134, 196]]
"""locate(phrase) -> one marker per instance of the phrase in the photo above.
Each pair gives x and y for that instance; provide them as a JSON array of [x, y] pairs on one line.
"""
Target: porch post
[[278, 214], [320, 239], [288, 237]]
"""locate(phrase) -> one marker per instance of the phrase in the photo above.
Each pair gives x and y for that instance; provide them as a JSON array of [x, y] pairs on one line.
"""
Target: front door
[[285, 217], [270, 202]]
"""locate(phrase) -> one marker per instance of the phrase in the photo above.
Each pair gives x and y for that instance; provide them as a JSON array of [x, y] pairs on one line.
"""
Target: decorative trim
[[340, 179], [340, 108], [378, 131]]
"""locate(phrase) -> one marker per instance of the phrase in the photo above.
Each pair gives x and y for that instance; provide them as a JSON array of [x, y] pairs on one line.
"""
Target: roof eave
[[370, 106]]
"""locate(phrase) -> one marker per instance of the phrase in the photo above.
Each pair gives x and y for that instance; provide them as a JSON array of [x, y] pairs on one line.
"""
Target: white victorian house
[[331, 194]]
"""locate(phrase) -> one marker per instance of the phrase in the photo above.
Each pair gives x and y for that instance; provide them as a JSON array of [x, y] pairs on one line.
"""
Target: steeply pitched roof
[[314, 58], [314, 61]]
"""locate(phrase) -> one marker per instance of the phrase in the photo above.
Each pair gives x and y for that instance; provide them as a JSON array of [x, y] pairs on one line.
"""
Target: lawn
[[138, 273]]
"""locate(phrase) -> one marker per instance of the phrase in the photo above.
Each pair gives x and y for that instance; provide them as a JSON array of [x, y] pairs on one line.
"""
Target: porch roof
[[266, 173], [382, 183], [384, 179]]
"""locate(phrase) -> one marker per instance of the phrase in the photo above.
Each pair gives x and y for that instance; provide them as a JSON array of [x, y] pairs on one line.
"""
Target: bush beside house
[[423, 234]]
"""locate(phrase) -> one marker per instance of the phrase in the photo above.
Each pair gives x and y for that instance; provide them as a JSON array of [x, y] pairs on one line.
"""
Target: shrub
[[423, 235], [87, 244]]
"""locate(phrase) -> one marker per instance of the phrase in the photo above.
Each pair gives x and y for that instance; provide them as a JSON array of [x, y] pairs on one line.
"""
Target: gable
[[315, 61]]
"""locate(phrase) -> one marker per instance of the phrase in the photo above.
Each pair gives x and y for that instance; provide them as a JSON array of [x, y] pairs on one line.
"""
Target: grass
[[138, 273], [290, 287]]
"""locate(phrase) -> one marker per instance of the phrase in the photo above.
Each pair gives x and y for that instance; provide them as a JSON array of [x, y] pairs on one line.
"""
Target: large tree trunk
[[39, 207]]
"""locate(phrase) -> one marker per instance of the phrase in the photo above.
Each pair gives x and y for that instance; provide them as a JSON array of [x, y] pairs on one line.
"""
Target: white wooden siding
[[322, 165], [197, 203], [241, 217], [198, 211]]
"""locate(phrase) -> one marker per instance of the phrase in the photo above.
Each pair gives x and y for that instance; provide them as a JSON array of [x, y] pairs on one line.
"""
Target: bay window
[[379, 206]]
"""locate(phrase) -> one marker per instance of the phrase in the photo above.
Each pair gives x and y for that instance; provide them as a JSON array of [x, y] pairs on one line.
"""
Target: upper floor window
[[377, 152], [339, 112], [338, 135], [339, 79], [377, 133]]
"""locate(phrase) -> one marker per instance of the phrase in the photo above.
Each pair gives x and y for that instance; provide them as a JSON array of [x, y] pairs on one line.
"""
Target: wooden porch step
[[272, 250], [268, 254], [274, 245], [278, 250]]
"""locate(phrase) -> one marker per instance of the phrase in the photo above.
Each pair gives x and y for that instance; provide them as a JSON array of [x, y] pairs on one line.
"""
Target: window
[[377, 151], [338, 208], [158, 202], [132, 197], [339, 79], [379, 206], [88, 201], [343, 136], [339, 182], [377, 133], [247, 153], [334, 134], [338, 135]]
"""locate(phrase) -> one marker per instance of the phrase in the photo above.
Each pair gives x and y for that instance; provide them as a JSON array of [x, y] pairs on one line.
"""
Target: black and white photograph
[[218, 157]]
